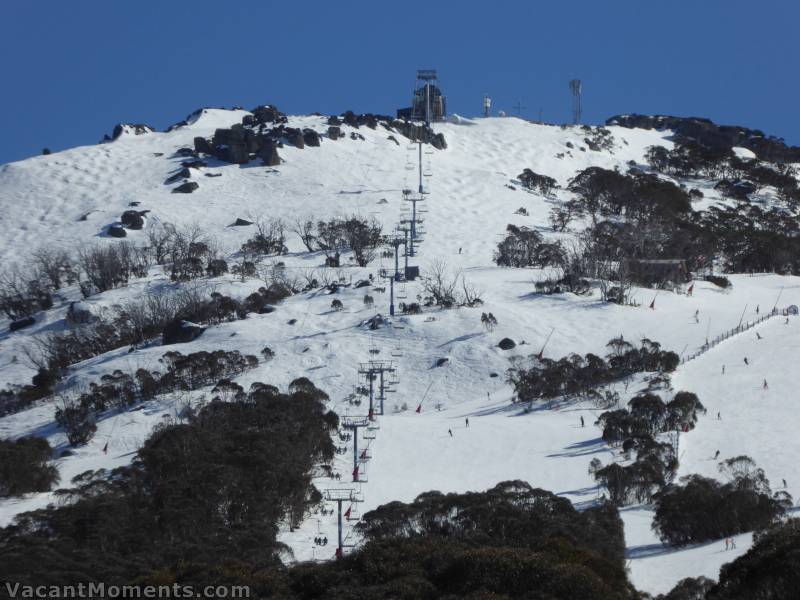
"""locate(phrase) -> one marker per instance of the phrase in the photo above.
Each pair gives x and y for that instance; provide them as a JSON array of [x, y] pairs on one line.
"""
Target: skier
[[787, 321], [784, 484], [467, 421], [757, 305], [758, 335], [766, 387], [450, 431], [726, 543], [325, 541], [459, 250], [723, 369], [747, 362], [696, 319], [719, 417], [716, 455], [733, 544], [582, 423]]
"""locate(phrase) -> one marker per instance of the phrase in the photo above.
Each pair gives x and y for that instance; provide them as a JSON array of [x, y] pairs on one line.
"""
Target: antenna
[[487, 105], [575, 88]]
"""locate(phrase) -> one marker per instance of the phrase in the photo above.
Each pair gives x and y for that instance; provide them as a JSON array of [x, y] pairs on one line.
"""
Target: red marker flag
[[690, 290]]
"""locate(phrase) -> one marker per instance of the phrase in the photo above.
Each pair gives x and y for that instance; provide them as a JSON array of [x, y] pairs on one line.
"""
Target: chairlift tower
[[387, 275], [408, 197], [339, 496], [355, 423], [377, 370], [575, 88]]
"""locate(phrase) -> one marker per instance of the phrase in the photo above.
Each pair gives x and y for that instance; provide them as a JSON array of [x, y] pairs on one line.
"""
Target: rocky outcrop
[[334, 132], [707, 133]]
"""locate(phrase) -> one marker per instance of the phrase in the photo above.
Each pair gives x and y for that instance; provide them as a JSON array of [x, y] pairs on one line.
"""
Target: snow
[[69, 198]]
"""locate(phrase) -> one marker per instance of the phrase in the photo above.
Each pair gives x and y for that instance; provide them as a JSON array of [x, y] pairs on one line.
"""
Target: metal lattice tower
[[575, 88], [339, 496], [377, 370], [355, 423]]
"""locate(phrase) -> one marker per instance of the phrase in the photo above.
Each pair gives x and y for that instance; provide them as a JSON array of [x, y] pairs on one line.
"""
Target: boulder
[[394, 139], [237, 153], [440, 362], [116, 230], [268, 114], [362, 283], [181, 332], [310, 137], [201, 144], [334, 132], [185, 152], [132, 219], [295, 138], [80, 313], [194, 164], [186, 188], [506, 344], [269, 154], [239, 222], [21, 323], [184, 173]]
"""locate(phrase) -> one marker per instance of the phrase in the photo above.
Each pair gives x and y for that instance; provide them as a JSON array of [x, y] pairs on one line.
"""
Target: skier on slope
[[450, 431], [747, 362], [582, 423], [766, 387], [716, 455], [467, 422], [723, 369], [758, 335]]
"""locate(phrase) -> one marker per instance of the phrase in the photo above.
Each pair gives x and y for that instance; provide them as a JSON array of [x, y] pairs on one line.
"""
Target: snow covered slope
[[70, 198]]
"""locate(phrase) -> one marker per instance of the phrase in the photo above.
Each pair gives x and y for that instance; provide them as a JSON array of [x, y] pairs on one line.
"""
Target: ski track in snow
[[45, 198]]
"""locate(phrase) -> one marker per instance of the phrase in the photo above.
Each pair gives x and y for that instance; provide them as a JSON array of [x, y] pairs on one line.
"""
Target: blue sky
[[72, 69]]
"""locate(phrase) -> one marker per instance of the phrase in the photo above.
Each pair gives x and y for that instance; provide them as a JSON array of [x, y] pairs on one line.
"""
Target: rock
[[334, 132], [237, 154], [375, 322], [213, 174], [132, 219], [184, 173], [269, 154], [185, 152], [362, 283], [181, 332], [156, 154], [440, 362], [394, 139], [310, 137], [80, 313], [21, 323], [493, 374], [268, 114], [295, 138], [186, 188], [291, 321], [130, 128], [194, 164], [116, 230], [135, 203], [239, 222], [506, 344], [201, 144], [334, 120]]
